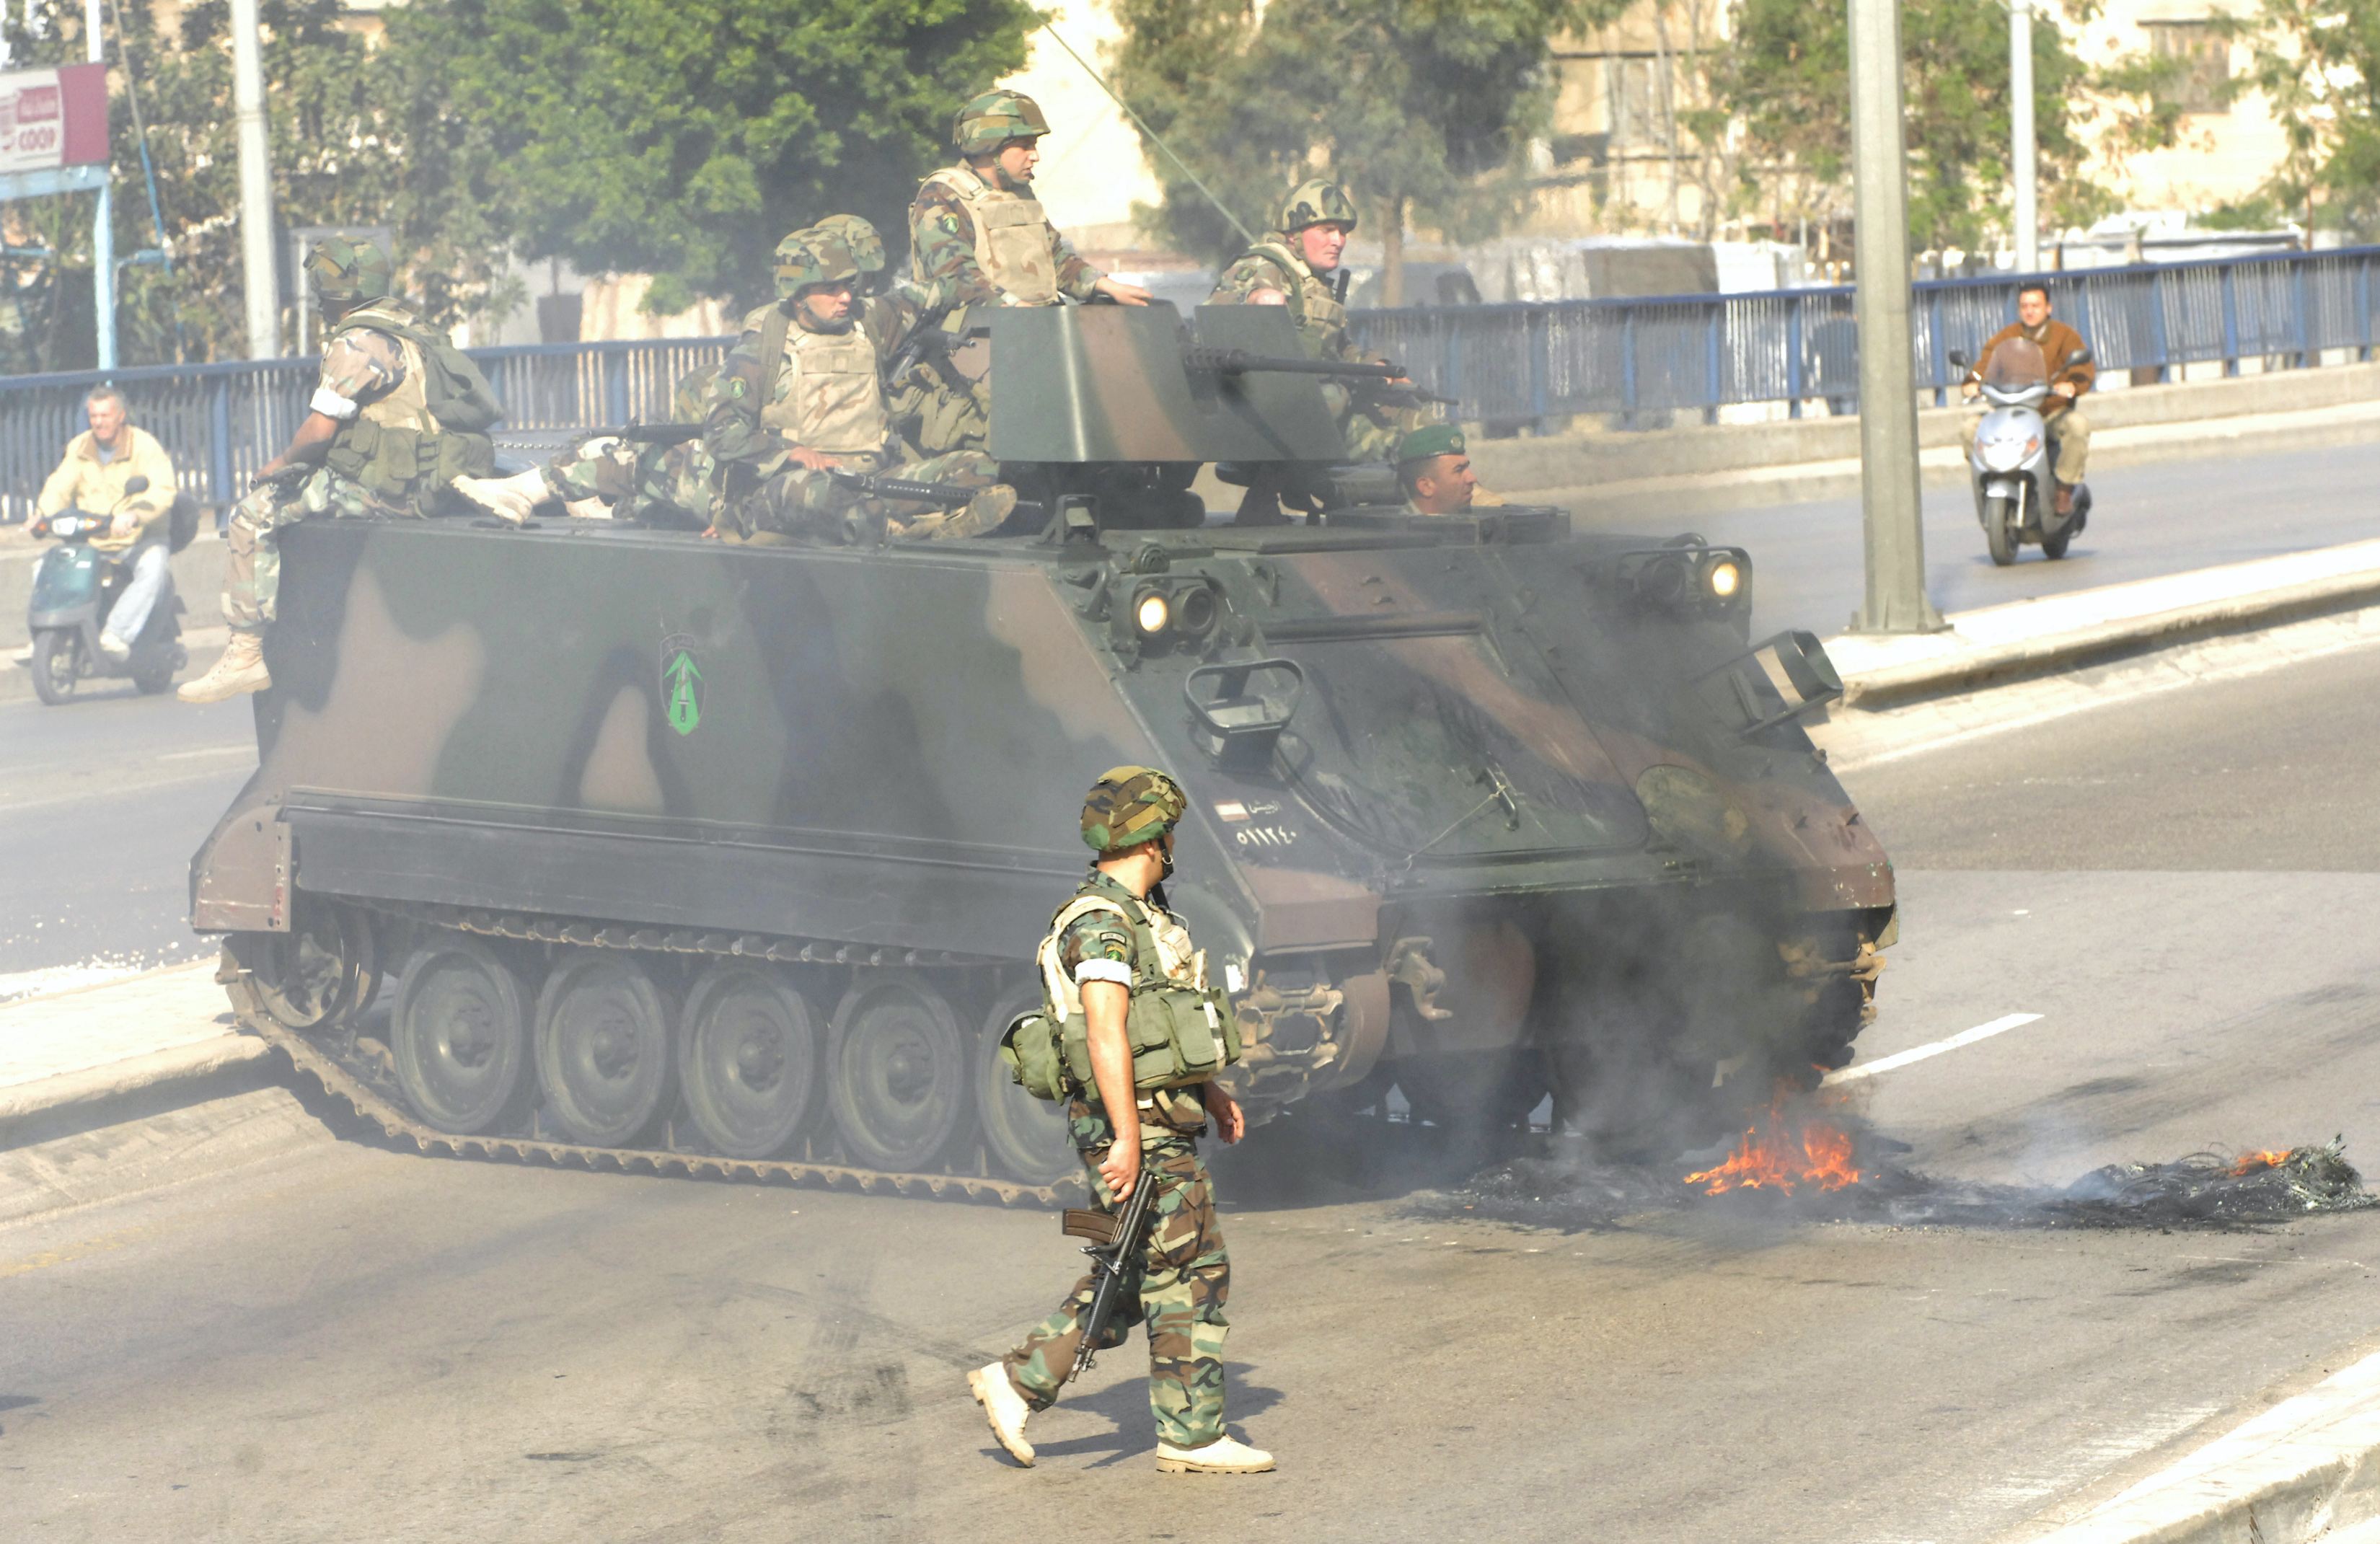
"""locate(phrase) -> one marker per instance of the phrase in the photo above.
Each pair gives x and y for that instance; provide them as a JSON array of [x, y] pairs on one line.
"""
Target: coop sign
[[53, 117]]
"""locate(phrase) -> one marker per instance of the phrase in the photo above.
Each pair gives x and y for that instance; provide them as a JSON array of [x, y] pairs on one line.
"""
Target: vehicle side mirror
[[1958, 358], [138, 485], [2079, 357]]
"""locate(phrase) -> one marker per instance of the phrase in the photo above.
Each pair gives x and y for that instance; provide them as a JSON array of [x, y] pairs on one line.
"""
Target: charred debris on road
[[2208, 1190]]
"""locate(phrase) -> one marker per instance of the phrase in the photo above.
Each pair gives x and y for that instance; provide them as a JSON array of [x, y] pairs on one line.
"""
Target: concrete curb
[[1892, 686], [2304, 1469], [137, 1086]]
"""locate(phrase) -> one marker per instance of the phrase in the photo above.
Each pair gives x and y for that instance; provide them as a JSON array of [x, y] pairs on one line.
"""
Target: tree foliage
[[683, 137], [1787, 80], [2318, 64], [1418, 106]]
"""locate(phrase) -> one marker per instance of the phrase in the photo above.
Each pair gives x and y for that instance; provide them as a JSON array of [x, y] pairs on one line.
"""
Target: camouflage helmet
[[989, 121], [866, 245], [346, 273], [1131, 805], [813, 257], [1315, 200]]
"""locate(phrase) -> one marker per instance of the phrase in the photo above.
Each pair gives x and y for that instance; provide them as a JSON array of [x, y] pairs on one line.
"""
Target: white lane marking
[[242, 749], [1999, 1025]]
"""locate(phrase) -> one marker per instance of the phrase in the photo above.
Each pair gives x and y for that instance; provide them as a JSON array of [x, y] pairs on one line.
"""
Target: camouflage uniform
[[657, 485], [750, 410], [367, 376], [976, 239], [1371, 427], [1186, 1276]]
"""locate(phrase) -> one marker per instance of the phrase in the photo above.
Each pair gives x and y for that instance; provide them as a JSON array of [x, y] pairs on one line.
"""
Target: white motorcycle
[[2015, 450]]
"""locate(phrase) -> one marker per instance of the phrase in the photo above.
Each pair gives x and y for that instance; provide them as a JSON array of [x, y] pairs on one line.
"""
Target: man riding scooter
[[112, 498], [93, 479], [2068, 380]]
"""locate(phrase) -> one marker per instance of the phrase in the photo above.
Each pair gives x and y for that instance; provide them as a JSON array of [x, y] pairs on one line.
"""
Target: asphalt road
[[101, 804], [2147, 521], [305, 1338]]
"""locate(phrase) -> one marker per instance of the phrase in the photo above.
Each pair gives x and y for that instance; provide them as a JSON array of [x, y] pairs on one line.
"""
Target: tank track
[[354, 1085]]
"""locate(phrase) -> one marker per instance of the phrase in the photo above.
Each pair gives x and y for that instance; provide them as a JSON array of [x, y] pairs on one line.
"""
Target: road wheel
[[897, 1069], [1999, 529], [603, 1048], [1025, 1136], [58, 664], [309, 975], [747, 1059], [460, 1034]]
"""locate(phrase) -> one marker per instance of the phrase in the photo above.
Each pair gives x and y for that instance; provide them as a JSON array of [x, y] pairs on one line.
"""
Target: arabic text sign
[[53, 117]]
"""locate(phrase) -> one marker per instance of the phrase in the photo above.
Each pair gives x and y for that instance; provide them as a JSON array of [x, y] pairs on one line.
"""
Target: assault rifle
[[950, 496], [1382, 380], [1115, 1243]]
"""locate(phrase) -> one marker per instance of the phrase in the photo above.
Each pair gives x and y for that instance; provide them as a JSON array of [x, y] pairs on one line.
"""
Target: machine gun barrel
[[1386, 378], [1112, 1267]]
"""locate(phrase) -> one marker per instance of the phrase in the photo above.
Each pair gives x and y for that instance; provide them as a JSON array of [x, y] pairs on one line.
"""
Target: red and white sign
[[53, 117]]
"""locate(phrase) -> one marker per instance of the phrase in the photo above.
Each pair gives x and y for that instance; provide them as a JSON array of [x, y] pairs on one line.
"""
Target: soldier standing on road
[[1097, 950], [802, 396], [398, 415], [977, 236], [2057, 343]]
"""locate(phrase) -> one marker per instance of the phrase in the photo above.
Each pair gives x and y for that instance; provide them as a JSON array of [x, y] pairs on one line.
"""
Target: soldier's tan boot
[[239, 669], [507, 498], [1224, 1456], [1004, 1407]]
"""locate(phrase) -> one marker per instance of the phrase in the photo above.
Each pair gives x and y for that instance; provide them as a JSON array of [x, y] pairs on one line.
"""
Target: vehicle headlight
[[2005, 454], [1724, 578], [1151, 612]]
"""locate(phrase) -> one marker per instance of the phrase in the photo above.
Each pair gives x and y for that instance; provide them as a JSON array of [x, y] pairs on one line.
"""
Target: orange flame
[[2256, 1162], [1781, 1151]]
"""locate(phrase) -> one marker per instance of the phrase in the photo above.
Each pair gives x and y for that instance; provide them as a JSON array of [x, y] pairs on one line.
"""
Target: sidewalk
[[86, 1048]]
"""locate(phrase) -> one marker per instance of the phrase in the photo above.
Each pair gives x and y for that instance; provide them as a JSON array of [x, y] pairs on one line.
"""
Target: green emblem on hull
[[681, 685]]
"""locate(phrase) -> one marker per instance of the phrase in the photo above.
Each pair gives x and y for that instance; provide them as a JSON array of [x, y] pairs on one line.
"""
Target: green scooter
[[75, 586]]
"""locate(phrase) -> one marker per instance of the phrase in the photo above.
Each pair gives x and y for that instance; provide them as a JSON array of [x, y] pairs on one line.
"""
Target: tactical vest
[[1013, 238], [832, 395], [1321, 319], [395, 448]]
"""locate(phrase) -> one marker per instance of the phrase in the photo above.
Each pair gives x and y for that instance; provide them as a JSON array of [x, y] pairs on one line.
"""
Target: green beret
[[1431, 439]]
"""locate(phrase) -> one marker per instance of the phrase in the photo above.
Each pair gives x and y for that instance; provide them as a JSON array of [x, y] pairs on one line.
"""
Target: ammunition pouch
[[1179, 1034], [399, 466], [1031, 1051]]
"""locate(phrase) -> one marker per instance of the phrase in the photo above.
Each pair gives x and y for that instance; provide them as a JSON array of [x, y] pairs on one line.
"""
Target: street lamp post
[[1887, 412], [262, 291], [2022, 152]]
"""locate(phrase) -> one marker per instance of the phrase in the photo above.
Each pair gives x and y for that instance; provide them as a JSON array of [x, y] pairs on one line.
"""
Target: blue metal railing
[[1530, 363], [1513, 365]]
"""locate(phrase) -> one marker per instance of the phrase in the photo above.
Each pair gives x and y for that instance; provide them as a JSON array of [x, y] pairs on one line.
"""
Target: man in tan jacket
[[91, 477], [2067, 383]]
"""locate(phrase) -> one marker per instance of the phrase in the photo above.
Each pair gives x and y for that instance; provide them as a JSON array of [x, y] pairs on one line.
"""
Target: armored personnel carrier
[[690, 858]]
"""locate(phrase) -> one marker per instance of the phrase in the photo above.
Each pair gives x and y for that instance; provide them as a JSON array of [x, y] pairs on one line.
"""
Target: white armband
[[1103, 970], [330, 404]]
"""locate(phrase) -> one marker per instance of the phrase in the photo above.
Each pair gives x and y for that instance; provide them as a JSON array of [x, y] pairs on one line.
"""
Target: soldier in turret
[[977, 236], [1434, 470], [802, 396], [398, 414]]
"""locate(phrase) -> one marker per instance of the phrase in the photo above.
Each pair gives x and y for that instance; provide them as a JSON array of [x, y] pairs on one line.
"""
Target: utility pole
[[1888, 411], [261, 290], [103, 225], [2023, 155]]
